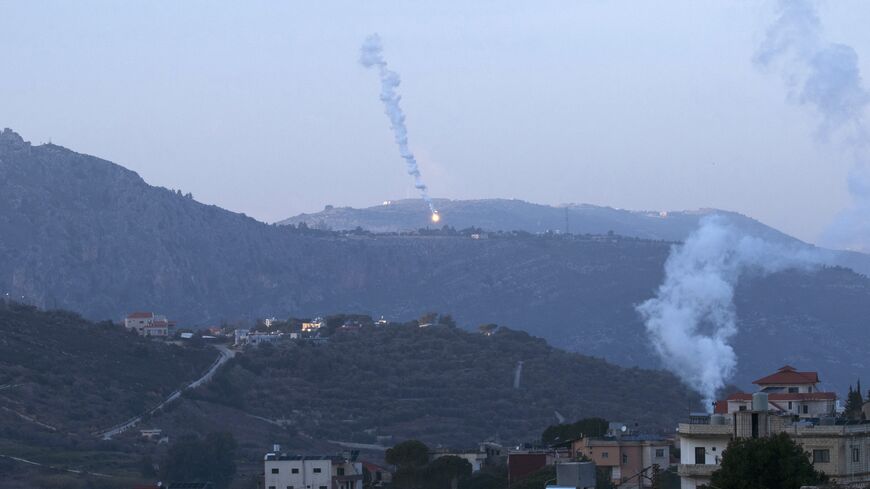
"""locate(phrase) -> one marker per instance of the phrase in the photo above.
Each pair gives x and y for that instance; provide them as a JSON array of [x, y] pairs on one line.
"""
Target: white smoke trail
[[826, 77], [692, 319], [371, 55]]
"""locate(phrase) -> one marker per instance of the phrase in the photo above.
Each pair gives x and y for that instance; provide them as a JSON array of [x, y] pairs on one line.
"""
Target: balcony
[[686, 429], [696, 470]]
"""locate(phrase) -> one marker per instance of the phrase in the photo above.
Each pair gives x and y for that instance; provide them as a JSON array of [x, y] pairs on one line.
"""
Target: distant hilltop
[[519, 215]]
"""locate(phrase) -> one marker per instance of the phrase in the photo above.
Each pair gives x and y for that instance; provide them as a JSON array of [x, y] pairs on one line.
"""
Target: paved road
[[72, 471], [225, 355]]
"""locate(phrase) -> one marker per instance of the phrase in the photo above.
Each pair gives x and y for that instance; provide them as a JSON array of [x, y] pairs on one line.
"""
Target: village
[[788, 402]]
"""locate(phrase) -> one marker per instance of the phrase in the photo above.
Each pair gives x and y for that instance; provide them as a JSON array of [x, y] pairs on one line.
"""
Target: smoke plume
[[825, 77], [371, 56], [692, 318]]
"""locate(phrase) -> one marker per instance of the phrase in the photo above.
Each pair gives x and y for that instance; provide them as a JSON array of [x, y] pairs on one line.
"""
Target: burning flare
[[435, 216]]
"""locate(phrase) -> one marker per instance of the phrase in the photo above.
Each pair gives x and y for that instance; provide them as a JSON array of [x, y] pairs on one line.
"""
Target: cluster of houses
[[787, 401]]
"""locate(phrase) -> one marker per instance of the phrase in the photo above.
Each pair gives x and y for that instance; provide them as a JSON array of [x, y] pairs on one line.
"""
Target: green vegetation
[[207, 459], [438, 384], [763, 463], [415, 471], [854, 403], [560, 433], [66, 374]]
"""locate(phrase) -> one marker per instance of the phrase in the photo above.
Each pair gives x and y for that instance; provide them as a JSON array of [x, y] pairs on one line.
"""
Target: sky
[[263, 107]]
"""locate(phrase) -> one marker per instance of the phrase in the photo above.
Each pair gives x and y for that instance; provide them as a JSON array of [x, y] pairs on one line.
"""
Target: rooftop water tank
[[759, 401]]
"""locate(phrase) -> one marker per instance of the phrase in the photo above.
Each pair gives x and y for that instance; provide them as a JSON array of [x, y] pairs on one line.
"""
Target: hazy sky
[[262, 107]]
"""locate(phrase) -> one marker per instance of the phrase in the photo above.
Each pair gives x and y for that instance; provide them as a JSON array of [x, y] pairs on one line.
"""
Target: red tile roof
[[789, 375], [140, 315], [721, 407]]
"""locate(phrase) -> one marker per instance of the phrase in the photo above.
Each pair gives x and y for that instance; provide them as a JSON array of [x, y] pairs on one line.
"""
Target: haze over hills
[[88, 235]]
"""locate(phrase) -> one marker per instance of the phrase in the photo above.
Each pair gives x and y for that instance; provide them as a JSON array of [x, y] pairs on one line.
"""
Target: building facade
[[789, 402], [629, 459], [148, 324], [284, 471]]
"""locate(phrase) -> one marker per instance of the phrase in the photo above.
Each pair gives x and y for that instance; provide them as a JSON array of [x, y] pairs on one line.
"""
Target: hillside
[[517, 215], [84, 234], [441, 385], [63, 374]]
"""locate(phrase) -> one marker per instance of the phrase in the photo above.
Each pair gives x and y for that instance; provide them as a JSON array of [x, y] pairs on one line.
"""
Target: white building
[[789, 402], [148, 324], [284, 471]]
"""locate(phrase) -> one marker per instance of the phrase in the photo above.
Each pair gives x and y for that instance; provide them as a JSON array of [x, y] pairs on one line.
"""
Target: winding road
[[225, 355]]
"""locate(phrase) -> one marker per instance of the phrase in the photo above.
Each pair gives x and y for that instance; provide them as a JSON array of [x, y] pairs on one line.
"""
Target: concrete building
[[787, 402], [629, 459], [284, 471], [313, 326], [148, 324], [789, 392]]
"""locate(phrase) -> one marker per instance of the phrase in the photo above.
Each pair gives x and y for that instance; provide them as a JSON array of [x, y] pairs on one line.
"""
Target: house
[[312, 326], [377, 475], [311, 472], [148, 324], [627, 457], [789, 402], [790, 392], [486, 453], [240, 337], [256, 338]]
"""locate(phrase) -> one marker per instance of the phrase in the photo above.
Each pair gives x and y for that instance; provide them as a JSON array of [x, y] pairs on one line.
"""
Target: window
[[793, 390], [605, 455], [625, 458], [316, 470], [294, 471], [856, 454], [289, 487], [274, 471], [339, 471], [821, 456], [700, 456], [323, 487], [271, 487], [789, 405], [742, 408], [660, 452], [806, 409]]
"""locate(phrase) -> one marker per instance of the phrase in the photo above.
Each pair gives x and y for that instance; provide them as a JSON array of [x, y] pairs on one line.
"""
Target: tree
[[854, 402], [410, 458], [571, 431], [446, 472], [760, 463], [194, 459]]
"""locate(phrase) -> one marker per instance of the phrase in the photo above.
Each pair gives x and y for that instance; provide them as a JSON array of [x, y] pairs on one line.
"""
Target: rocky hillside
[[85, 234]]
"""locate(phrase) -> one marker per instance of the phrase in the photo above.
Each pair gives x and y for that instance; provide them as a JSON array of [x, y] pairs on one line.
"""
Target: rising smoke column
[[825, 77], [371, 55], [692, 318]]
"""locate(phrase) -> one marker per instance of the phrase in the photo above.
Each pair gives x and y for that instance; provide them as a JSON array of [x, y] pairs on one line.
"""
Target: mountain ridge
[[80, 233]]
